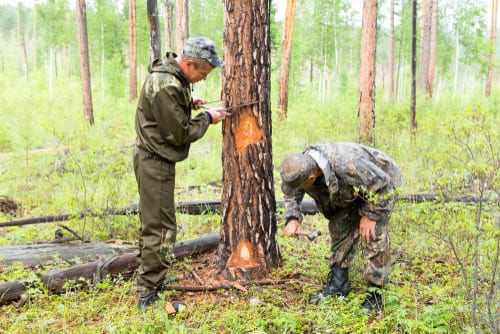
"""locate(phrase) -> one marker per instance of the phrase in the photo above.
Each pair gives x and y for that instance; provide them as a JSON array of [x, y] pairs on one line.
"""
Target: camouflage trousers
[[156, 183], [344, 232]]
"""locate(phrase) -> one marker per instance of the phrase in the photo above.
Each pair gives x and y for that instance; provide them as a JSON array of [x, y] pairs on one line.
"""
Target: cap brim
[[216, 62]]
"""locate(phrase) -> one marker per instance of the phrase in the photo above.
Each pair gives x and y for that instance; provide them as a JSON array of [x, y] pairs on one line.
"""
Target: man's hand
[[218, 114], [198, 103], [292, 227], [367, 229]]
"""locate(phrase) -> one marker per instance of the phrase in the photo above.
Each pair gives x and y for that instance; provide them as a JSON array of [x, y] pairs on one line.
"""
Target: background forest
[[445, 251]]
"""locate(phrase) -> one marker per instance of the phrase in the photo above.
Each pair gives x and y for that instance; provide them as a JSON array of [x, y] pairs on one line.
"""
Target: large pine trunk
[[366, 111], [248, 234], [425, 45], [81, 10]]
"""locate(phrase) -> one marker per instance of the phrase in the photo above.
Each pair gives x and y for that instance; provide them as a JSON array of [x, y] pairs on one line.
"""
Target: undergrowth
[[444, 255]]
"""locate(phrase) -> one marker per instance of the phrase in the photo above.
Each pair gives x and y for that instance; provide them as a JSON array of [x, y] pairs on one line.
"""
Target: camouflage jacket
[[163, 121], [354, 176]]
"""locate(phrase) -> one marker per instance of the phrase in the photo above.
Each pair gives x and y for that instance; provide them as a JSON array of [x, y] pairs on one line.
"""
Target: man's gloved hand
[[198, 103], [291, 227]]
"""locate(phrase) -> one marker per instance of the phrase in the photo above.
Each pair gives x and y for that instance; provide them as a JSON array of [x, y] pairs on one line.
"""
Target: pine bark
[[248, 234], [169, 13], [84, 60], [182, 26], [366, 111], [154, 31], [285, 58]]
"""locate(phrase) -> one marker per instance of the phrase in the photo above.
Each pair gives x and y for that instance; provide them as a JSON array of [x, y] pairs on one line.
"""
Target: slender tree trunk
[[103, 81], [22, 43], [493, 38], [182, 27], [154, 31], [132, 51], [413, 112], [35, 64], [81, 14], [391, 53], [169, 13], [248, 234], [285, 58], [425, 45], [433, 47], [366, 111]]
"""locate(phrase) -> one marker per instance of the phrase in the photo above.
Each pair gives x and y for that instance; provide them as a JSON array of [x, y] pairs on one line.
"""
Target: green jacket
[[163, 120]]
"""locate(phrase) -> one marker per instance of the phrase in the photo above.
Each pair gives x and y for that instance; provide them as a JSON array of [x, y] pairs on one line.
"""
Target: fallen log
[[93, 272], [204, 207]]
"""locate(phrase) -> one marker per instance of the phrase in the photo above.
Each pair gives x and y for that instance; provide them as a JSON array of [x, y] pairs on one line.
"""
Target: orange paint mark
[[248, 132], [243, 256]]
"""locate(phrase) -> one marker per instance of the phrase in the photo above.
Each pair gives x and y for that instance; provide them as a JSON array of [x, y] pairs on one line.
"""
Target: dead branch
[[225, 286]]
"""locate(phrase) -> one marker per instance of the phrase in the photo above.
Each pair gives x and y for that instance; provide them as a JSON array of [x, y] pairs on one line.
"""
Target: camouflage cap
[[295, 169], [202, 47]]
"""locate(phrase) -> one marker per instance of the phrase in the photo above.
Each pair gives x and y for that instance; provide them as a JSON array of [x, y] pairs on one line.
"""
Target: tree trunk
[[154, 31], [22, 44], [425, 45], [413, 112], [493, 38], [391, 52], [433, 47], [182, 26], [169, 11], [81, 14], [132, 51], [248, 233], [285, 58], [35, 63], [366, 111]]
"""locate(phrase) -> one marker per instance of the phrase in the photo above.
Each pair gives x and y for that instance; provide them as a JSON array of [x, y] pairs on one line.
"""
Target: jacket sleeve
[[174, 120], [374, 186], [293, 200]]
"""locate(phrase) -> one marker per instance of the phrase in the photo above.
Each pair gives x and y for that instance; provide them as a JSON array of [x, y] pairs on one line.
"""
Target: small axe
[[311, 235]]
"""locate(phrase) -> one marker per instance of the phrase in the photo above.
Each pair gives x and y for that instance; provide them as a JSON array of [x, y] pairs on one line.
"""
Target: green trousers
[[156, 183], [344, 231]]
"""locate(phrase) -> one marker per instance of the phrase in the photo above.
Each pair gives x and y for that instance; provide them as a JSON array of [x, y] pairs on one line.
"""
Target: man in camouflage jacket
[[354, 187], [165, 130]]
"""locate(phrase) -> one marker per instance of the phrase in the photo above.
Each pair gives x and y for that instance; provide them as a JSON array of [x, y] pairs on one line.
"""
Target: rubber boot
[[373, 301], [337, 285], [146, 297]]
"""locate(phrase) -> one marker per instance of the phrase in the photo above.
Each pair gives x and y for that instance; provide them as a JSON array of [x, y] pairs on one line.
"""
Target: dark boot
[[337, 285], [146, 297], [374, 300]]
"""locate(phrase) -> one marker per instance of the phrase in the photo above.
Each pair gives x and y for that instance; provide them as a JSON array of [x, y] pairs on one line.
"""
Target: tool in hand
[[311, 235], [233, 107]]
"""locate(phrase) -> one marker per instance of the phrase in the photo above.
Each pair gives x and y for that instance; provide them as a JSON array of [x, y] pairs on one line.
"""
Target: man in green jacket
[[165, 129], [354, 187]]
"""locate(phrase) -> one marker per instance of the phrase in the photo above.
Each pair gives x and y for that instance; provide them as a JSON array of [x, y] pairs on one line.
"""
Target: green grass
[[93, 171]]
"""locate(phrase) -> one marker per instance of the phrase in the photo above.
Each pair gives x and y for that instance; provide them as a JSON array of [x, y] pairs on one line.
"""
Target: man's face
[[196, 74]]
